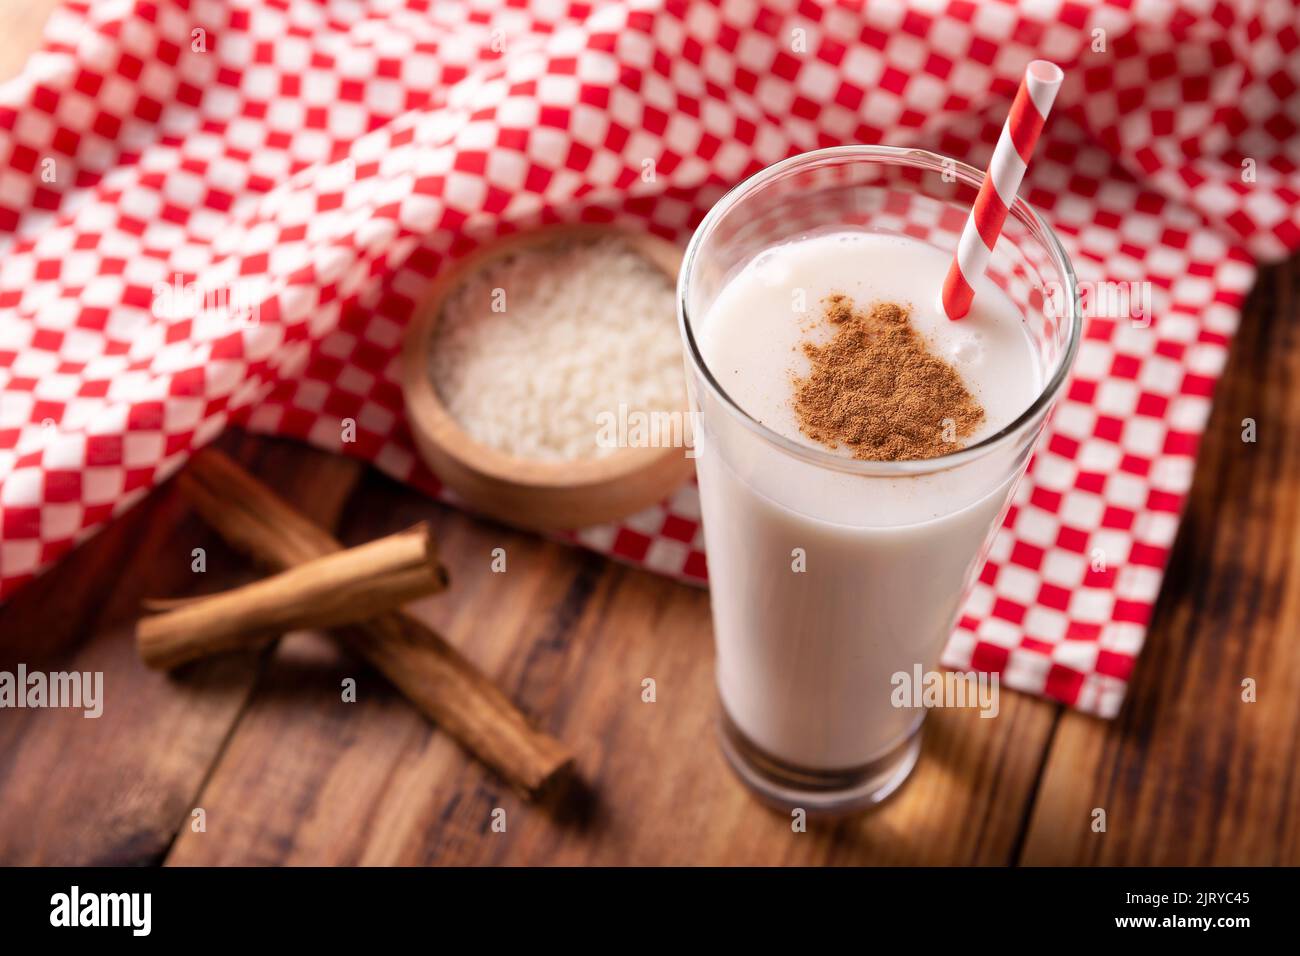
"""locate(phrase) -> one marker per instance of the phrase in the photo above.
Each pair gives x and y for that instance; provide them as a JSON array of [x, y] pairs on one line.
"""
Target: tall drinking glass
[[829, 575]]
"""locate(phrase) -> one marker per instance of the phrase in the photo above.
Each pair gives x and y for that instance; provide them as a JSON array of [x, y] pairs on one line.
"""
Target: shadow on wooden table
[[1190, 772]]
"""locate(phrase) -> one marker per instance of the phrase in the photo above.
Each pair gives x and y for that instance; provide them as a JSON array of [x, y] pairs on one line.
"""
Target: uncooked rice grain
[[532, 348]]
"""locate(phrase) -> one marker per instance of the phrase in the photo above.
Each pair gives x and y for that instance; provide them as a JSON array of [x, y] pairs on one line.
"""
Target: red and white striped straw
[[1006, 169]]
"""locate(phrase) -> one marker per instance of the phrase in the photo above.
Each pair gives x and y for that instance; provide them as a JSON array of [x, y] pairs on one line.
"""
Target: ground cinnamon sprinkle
[[876, 388]]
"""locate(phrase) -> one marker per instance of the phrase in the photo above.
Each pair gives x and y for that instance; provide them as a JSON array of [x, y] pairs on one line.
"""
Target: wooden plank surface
[[307, 778], [115, 789], [1190, 773], [286, 772]]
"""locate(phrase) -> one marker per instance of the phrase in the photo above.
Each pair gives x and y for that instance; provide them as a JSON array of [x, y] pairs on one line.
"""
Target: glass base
[[787, 786]]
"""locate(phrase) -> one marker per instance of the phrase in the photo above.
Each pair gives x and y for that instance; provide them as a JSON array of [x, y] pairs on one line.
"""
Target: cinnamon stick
[[335, 589], [436, 677]]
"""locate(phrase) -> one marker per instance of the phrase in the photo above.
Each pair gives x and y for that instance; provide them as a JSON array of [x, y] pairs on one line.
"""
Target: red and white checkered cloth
[[322, 160]]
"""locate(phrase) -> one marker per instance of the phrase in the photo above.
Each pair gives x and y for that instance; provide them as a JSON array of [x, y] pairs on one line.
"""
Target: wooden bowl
[[529, 493]]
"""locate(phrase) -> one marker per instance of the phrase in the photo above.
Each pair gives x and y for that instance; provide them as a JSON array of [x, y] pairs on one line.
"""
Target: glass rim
[[924, 160]]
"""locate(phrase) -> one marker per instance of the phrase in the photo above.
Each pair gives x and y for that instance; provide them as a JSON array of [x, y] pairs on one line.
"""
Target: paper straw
[[1006, 169]]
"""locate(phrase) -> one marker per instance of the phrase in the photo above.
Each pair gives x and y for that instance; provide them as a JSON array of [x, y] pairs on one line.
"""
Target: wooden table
[[285, 772]]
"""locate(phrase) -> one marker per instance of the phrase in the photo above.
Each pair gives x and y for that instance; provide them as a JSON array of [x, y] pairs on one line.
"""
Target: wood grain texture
[[114, 790], [287, 773], [435, 677], [1190, 773], [308, 778]]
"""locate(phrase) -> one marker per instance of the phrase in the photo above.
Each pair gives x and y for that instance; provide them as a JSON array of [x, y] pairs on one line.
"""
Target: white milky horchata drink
[[830, 572], [819, 599]]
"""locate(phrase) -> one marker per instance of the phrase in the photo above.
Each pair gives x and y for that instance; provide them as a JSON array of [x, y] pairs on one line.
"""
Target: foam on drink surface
[[752, 339]]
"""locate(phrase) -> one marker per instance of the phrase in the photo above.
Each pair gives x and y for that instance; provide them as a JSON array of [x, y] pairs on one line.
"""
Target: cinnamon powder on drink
[[876, 388]]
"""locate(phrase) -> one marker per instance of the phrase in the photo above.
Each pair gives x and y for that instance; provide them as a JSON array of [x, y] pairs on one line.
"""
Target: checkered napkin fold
[[326, 159]]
